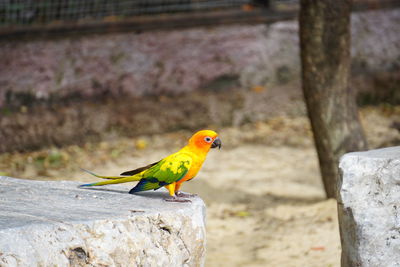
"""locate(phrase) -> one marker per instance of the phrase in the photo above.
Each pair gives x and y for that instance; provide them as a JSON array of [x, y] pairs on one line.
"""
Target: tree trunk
[[325, 58]]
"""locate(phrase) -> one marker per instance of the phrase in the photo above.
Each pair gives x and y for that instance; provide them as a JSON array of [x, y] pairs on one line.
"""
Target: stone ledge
[[369, 208], [48, 223]]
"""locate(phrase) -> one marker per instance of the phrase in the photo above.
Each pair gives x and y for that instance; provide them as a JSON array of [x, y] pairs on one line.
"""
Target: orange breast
[[194, 169]]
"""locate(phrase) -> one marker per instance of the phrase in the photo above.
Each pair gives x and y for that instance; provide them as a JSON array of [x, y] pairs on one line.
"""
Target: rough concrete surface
[[369, 208], [46, 223]]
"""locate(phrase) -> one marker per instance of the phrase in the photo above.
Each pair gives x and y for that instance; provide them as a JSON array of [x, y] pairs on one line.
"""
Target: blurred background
[[113, 85]]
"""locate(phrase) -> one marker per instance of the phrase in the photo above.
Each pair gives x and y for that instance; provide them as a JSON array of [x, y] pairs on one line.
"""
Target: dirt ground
[[265, 201]]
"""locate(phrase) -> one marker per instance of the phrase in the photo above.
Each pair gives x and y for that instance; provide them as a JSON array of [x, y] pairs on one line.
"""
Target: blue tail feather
[[145, 185], [85, 185]]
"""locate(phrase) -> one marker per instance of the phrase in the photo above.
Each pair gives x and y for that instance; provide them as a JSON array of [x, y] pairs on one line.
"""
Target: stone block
[[369, 208], [54, 223]]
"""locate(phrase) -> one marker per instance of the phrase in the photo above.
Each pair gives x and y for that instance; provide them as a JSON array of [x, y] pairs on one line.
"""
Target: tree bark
[[331, 106]]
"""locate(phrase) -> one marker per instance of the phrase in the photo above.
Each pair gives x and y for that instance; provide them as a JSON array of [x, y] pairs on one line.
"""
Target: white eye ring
[[208, 139]]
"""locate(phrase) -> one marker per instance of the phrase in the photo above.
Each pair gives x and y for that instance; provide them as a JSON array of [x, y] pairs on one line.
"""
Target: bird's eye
[[208, 139]]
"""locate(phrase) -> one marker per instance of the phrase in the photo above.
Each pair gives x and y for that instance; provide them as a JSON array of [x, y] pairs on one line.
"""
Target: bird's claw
[[177, 199], [181, 194]]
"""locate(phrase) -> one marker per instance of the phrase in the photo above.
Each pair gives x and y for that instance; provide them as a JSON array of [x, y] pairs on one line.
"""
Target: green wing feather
[[169, 170]]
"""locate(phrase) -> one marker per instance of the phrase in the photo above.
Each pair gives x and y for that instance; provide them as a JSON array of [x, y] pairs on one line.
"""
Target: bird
[[170, 172]]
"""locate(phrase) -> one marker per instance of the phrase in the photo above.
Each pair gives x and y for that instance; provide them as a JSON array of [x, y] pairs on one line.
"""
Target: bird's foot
[[181, 194], [176, 199]]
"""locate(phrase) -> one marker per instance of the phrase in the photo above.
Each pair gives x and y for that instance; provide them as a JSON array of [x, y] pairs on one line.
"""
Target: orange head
[[204, 140]]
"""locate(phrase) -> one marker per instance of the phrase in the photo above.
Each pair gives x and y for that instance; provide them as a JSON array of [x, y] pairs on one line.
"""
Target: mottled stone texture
[[173, 62], [369, 208], [57, 224], [151, 63]]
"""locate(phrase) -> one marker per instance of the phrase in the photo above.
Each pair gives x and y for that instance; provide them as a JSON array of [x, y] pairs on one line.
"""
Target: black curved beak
[[217, 143]]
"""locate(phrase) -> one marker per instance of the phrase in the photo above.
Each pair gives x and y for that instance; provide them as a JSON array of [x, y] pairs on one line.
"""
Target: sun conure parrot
[[171, 171]]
